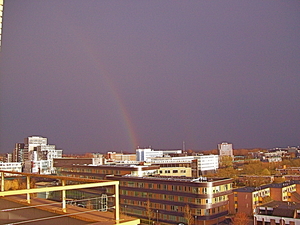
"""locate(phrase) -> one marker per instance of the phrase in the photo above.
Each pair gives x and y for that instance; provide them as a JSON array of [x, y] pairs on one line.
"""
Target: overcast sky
[[98, 76]]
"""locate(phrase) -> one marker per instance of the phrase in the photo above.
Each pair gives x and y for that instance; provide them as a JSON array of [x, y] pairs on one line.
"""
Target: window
[[171, 197], [130, 184], [175, 171], [195, 190], [174, 208]]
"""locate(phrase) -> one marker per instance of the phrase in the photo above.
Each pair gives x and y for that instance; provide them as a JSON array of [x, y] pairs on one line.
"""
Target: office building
[[167, 195], [225, 149], [145, 154]]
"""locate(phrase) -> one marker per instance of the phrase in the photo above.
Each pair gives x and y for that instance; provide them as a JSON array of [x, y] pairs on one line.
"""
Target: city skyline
[[111, 76]]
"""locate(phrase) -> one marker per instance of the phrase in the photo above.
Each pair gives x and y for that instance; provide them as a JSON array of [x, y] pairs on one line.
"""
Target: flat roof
[[14, 209], [180, 178], [249, 189]]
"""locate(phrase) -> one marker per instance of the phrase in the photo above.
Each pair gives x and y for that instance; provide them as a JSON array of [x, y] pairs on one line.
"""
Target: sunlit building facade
[[169, 197]]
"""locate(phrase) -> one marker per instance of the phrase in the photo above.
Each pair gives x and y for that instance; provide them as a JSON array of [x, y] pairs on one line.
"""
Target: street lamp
[[157, 216]]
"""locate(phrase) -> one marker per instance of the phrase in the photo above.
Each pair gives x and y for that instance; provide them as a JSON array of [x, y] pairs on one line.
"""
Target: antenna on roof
[[183, 146]]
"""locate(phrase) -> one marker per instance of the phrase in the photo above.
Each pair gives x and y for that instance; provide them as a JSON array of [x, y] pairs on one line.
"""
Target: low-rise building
[[145, 154], [281, 191], [11, 166], [246, 199], [277, 212], [168, 196]]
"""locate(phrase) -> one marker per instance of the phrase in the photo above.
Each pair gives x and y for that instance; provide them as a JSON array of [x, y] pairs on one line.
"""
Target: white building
[[207, 162], [34, 141], [145, 154], [40, 155], [204, 162], [11, 166], [225, 149]]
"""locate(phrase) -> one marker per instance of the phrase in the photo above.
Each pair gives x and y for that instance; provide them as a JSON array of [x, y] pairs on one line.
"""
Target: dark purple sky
[[97, 76]]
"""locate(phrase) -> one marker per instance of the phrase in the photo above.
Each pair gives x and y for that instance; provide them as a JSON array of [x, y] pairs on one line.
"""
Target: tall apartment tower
[[225, 149], [20, 153], [32, 143]]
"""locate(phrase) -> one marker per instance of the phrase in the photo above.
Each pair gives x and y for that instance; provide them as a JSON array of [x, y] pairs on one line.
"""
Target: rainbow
[[125, 117]]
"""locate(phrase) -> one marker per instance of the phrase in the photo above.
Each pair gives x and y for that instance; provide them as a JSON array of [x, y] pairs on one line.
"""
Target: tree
[[240, 219], [226, 161], [149, 211], [266, 172], [188, 215]]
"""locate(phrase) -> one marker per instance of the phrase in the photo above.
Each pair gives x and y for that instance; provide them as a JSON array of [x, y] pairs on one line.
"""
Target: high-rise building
[[225, 149], [36, 154], [20, 153]]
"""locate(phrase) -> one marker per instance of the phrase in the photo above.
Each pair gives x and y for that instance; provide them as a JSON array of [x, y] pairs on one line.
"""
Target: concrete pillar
[[117, 203], [64, 207], [28, 187], [2, 181]]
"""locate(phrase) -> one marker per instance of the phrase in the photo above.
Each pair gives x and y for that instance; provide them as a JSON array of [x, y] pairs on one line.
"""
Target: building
[[282, 191], [175, 171], [145, 154], [207, 163], [246, 199], [65, 162], [168, 195], [11, 166], [168, 198], [34, 141], [120, 157], [199, 164], [101, 171], [225, 149], [20, 153], [277, 212], [36, 155]]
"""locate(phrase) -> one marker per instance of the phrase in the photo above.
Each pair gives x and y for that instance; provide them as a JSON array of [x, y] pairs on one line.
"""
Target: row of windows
[[195, 190], [155, 214], [87, 170], [173, 171], [200, 201], [158, 207]]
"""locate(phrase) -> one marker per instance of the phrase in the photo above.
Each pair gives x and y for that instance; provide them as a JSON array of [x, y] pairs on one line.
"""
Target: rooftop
[[180, 178], [281, 209], [14, 209]]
